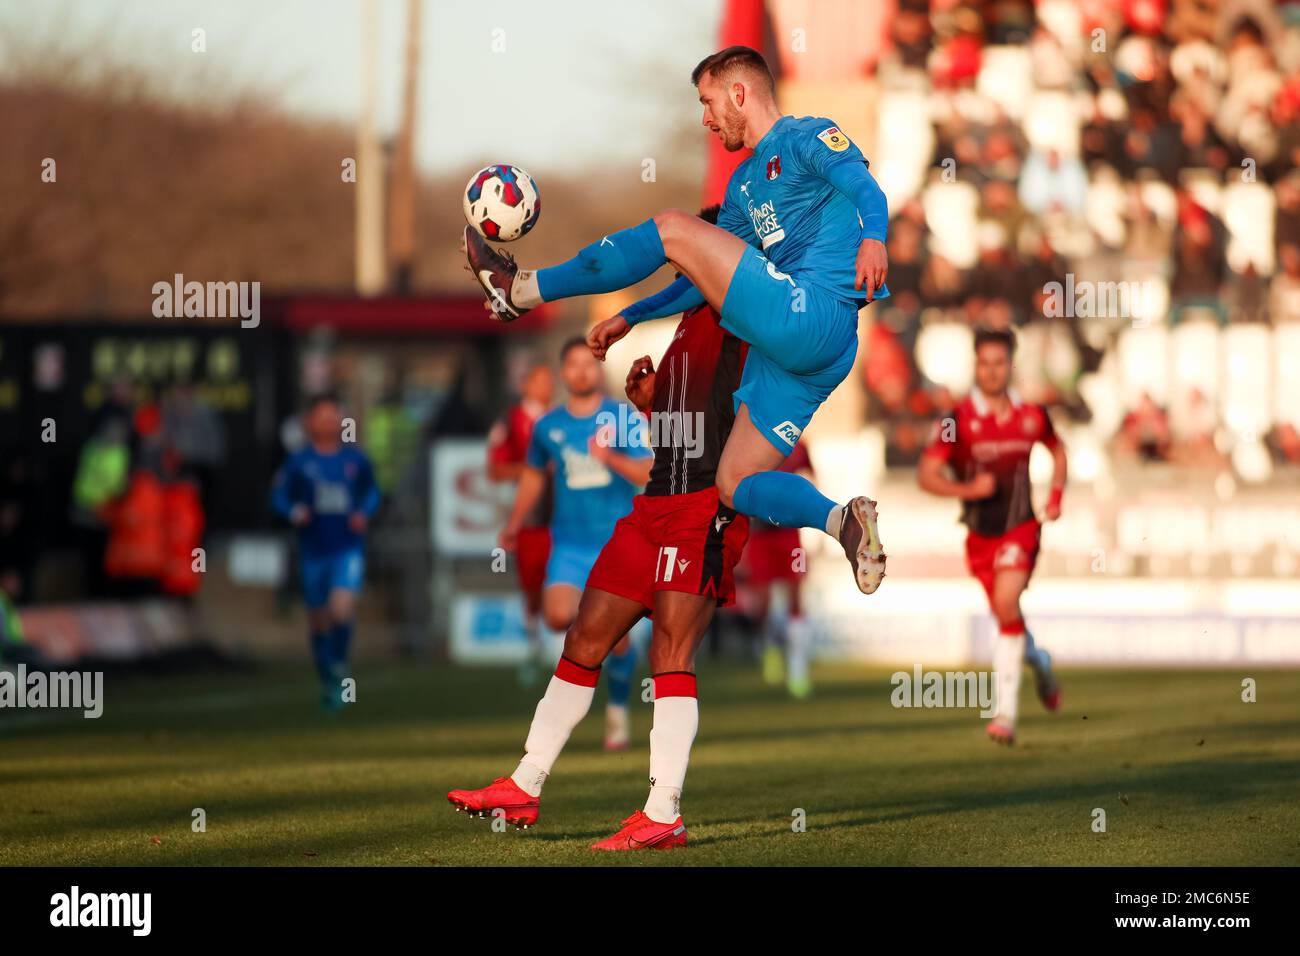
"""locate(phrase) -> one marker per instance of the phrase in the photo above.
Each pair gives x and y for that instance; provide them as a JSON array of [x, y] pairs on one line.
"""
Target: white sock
[[524, 292], [835, 521], [1008, 658], [676, 720], [796, 649], [529, 778], [558, 712]]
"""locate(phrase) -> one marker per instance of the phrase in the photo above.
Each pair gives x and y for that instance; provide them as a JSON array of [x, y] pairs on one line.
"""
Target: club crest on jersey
[[834, 140], [1010, 556], [773, 167], [788, 432]]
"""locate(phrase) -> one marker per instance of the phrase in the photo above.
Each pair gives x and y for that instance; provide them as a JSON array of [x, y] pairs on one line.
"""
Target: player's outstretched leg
[[748, 481], [602, 619], [706, 254], [614, 262]]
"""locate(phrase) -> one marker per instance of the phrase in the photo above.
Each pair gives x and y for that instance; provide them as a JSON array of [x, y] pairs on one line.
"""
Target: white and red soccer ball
[[502, 202]]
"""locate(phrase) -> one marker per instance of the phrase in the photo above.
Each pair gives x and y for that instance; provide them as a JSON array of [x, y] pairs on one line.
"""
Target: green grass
[[1186, 772]]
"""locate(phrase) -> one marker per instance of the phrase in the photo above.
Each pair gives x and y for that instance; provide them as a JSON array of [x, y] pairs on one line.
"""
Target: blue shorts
[[571, 564], [323, 573], [802, 343]]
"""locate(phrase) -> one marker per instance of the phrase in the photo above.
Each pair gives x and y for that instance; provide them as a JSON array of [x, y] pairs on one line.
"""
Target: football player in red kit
[[673, 557], [507, 447], [985, 444]]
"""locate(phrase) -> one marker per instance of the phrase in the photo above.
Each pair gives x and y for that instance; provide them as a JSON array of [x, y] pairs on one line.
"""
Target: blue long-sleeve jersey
[[806, 199], [333, 486]]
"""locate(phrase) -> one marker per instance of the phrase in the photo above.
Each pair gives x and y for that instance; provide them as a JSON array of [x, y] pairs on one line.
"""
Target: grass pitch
[[1185, 772]]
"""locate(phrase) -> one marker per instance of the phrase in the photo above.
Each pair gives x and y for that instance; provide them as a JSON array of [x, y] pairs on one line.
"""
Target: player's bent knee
[[1007, 613], [672, 224], [557, 620], [584, 646]]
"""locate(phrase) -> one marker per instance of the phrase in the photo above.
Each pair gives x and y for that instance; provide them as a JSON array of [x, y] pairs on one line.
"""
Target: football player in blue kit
[[327, 490], [595, 475], [798, 249]]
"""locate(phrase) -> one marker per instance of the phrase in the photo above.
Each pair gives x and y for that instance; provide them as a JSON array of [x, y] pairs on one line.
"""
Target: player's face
[[539, 386], [581, 372], [992, 368], [721, 114], [324, 424]]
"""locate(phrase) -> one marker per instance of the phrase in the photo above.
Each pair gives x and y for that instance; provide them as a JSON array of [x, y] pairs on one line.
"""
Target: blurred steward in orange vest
[[136, 549]]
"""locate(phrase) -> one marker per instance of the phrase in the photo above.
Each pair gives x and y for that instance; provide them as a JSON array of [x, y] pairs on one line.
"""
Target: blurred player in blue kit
[[595, 477], [327, 490]]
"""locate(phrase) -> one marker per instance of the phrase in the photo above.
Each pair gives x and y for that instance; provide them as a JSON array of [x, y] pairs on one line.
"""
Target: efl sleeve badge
[[835, 140]]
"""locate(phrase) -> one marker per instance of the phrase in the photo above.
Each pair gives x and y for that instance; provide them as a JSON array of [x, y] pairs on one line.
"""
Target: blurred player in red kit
[[507, 447], [674, 558], [772, 571], [985, 444]]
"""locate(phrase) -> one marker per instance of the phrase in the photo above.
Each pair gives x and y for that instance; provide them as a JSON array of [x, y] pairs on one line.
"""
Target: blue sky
[[579, 82]]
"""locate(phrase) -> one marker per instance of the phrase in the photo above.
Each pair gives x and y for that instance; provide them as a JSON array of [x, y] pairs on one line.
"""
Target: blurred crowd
[[1146, 148]]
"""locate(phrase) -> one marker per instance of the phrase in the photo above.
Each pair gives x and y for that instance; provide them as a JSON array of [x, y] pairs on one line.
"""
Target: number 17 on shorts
[[668, 563]]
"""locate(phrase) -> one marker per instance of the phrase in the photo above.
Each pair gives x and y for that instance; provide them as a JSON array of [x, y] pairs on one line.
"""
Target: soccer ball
[[502, 203]]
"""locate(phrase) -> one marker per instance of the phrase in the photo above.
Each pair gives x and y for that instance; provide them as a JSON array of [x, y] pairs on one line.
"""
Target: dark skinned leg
[[602, 620]]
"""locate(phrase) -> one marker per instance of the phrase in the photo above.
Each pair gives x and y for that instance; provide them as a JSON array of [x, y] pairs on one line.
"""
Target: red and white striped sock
[[676, 719], [566, 701]]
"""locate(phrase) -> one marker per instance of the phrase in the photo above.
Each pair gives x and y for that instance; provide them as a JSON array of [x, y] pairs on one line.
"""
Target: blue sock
[[615, 262], [783, 499], [619, 669], [321, 656], [340, 645]]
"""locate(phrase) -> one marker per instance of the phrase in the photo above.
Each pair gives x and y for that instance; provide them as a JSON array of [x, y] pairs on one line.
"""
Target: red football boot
[[639, 832], [521, 810], [1001, 732]]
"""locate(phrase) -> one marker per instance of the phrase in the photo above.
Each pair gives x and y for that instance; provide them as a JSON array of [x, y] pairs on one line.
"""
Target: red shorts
[[770, 556], [1016, 550], [687, 543], [532, 551]]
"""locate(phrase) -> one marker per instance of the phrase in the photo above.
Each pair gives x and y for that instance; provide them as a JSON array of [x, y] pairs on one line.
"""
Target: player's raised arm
[[831, 155]]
